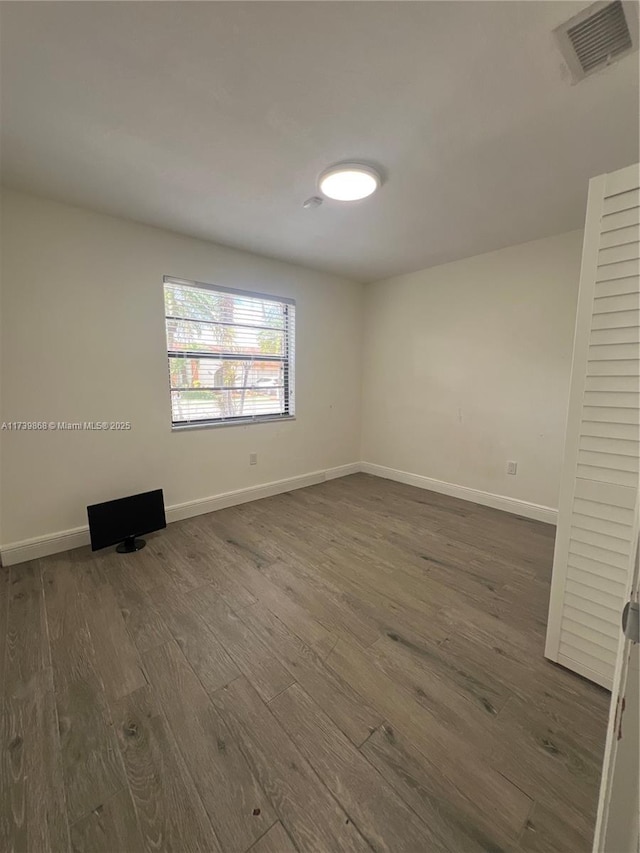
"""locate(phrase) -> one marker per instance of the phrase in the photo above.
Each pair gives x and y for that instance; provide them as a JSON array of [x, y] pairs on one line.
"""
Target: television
[[120, 522]]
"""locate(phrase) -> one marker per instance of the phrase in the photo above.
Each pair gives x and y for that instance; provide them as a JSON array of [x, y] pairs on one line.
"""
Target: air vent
[[598, 36]]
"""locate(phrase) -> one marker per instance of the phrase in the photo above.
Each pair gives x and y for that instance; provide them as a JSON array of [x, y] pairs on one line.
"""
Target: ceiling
[[215, 119]]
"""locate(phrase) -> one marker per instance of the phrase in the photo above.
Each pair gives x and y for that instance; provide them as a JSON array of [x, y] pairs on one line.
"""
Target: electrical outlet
[[253, 459], [512, 467]]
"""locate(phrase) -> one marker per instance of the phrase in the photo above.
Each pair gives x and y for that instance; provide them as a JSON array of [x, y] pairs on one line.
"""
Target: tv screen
[[122, 520]]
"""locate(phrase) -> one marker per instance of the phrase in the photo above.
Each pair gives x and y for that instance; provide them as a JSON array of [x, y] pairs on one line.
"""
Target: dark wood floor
[[355, 666]]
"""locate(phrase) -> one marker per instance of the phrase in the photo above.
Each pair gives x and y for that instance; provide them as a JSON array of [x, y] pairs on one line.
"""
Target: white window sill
[[235, 423]]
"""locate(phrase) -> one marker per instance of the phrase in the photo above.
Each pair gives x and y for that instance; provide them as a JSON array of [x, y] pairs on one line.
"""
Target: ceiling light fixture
[[349, 182]]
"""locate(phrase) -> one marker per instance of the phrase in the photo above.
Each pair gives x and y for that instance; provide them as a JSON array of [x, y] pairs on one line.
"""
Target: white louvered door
[[598, 507]]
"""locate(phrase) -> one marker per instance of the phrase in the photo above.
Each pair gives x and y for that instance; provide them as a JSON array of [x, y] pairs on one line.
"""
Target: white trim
[[512, 505], [203, 285], [66, 540], [54, 543], [618, 691], [259, 419], [582, 331], [343, 471], [42, 546]]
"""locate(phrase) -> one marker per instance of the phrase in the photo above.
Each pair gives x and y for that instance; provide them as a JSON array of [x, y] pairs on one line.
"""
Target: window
[[231, 354]]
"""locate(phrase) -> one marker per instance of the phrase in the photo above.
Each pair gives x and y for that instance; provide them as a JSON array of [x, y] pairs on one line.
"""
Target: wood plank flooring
[[357, 666]]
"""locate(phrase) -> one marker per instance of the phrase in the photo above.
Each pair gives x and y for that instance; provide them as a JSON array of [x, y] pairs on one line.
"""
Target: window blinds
[[231, 354]]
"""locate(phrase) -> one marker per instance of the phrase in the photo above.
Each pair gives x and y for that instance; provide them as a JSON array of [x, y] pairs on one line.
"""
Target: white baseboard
[[343, 471], [255, 493], [65, 540], [512, 505], [54, 543], [42, 546]]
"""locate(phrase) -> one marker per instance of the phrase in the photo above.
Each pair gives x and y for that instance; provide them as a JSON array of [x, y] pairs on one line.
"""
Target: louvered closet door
[[598, 511]]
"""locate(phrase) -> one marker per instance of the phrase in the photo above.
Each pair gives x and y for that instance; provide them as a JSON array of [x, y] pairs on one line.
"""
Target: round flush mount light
[[349, 181]]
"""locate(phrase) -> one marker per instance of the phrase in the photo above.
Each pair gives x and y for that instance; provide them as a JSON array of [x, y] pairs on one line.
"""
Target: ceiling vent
[[599, 35]]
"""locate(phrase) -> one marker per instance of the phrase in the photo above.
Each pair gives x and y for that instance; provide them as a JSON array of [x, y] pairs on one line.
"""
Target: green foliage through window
[[231, 354]]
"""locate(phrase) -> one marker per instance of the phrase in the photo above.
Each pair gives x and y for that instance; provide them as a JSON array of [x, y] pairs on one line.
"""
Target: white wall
[[83, 339], [467, 365]]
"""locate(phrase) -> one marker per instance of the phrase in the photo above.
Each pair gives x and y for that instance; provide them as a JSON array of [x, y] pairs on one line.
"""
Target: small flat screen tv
[[119, 522]]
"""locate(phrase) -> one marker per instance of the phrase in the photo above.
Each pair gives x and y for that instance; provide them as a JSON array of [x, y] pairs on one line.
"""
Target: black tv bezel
[[95, 547]]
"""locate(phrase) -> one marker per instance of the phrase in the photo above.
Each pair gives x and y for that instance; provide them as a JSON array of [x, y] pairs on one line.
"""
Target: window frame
[[287, 359]]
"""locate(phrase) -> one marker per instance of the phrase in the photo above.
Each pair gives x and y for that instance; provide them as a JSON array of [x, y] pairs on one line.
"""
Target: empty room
[[319, 427]]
